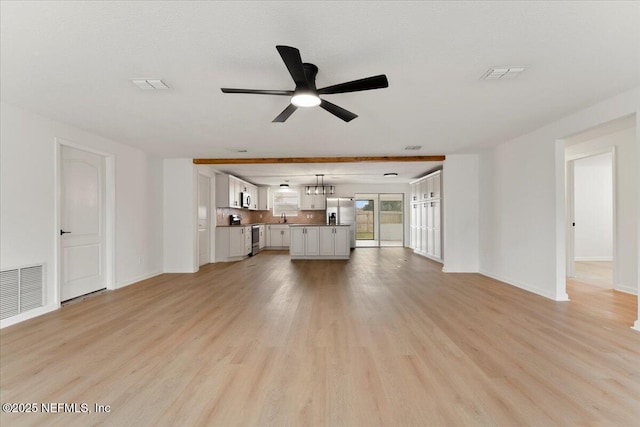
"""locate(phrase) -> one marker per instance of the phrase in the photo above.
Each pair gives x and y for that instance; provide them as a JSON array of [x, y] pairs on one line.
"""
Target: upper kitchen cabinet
[[229, 192], [264, 198], [427, 188], [310, 202]]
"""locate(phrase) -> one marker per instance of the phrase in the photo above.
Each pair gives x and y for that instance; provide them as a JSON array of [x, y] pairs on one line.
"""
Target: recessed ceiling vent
[[150, 84], [413, 147], [502, 73]]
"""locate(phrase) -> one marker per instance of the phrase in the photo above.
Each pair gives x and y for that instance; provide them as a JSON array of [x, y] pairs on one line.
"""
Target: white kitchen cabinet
[[304, 241], [426, 215], [264, 198], [310, 202], [239, 241], [278, 236], [321, 242], [228, 190], [263, 237], [232, 243], [335, 242]]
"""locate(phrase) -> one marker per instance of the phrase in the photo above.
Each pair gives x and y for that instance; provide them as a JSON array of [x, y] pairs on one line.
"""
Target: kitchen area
[[310, 222]]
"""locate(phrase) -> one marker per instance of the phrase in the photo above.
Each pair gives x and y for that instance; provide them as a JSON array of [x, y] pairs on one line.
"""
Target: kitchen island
[[320, 241]]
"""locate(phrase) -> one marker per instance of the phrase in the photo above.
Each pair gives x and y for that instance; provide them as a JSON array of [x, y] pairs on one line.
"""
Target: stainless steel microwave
[[246, 200]]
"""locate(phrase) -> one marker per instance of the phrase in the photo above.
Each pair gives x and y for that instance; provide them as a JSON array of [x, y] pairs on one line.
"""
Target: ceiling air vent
[[502, 73], [150, 84]]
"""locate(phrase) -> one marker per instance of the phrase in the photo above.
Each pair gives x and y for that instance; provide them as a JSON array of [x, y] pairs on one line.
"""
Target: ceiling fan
[[306, 94]]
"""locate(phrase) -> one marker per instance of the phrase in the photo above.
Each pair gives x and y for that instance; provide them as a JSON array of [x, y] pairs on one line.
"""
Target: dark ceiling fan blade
[[258, 91], [345, 115], [293, 61], [374, 82], [285, 114]]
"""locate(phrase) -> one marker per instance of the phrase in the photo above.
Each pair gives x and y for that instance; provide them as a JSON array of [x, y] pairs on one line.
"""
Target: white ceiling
[[72, 61]]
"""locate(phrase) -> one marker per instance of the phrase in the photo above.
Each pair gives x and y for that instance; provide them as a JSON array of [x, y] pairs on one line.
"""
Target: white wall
[[593, 207], [627, 198], [28, 229], [180, 207], [522, 201], [461, 195]]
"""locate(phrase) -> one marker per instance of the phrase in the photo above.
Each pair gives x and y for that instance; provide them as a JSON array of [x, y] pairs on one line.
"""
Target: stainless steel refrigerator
[[344, 210]]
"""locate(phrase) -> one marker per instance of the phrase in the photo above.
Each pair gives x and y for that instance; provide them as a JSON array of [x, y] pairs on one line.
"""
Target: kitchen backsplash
[[252, 217]]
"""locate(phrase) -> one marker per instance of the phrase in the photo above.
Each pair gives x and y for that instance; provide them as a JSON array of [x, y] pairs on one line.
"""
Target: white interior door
[[204, 208], [82, 222]]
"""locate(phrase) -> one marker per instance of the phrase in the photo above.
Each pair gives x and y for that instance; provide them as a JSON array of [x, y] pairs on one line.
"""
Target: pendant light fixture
[[319, 188]]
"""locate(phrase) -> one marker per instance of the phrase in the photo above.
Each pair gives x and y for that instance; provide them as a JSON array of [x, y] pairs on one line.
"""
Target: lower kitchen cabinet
[[335, 241], [232, 243], [320, 242], [304, 241], [263, 237], [278, 236]]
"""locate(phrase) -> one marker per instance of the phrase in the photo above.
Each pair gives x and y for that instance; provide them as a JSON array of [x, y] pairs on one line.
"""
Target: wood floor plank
[[383, 339]]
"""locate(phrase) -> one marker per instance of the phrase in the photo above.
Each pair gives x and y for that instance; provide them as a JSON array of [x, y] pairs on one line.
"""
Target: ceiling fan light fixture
[[305, 99]]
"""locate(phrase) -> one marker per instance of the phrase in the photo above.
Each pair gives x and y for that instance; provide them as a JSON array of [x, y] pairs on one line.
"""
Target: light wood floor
[[595, 273], [383, 339]]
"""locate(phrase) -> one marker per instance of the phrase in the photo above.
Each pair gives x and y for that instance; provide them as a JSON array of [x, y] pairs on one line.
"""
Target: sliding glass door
[[391, 220], [379, 219]]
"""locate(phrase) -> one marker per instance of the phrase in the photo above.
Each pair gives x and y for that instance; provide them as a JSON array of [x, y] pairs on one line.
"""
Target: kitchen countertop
[[318, 225], [243, 225]]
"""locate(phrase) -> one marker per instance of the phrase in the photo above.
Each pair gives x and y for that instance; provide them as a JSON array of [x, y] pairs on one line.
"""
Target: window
[[285, 202]]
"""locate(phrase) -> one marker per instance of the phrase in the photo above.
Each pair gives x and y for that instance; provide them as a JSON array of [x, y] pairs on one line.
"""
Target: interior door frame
[[109, 213], [570, 192]]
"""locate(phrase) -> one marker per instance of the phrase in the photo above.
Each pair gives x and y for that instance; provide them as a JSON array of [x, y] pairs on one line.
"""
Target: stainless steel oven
[[255, 239]]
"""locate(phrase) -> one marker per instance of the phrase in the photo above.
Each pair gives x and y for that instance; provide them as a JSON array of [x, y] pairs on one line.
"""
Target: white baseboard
[[180, 270], [526, 287], [625, 289], [636, 325], [137, 279], [28, 315], [593, 258]]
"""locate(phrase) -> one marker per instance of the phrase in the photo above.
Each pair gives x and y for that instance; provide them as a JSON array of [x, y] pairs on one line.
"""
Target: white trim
[[28, 315], [120, 285], [626, 289], [570, 201], [636, 325], [593, 258], [525, 287], [110, 213], [189, 270]]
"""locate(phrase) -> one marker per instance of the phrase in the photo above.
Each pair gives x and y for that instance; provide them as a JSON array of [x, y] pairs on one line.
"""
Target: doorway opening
[[601, 200], [379, 220], [590, 194]]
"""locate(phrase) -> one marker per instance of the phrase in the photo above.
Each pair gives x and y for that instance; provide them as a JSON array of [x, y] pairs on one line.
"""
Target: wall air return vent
[[21, 290]]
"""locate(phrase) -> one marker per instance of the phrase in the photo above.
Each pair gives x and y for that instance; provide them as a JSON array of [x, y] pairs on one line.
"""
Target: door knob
[[64, 232]]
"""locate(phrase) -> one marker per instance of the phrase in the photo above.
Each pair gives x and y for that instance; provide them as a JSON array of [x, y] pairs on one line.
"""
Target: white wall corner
[[636, 325], [526, 287]]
